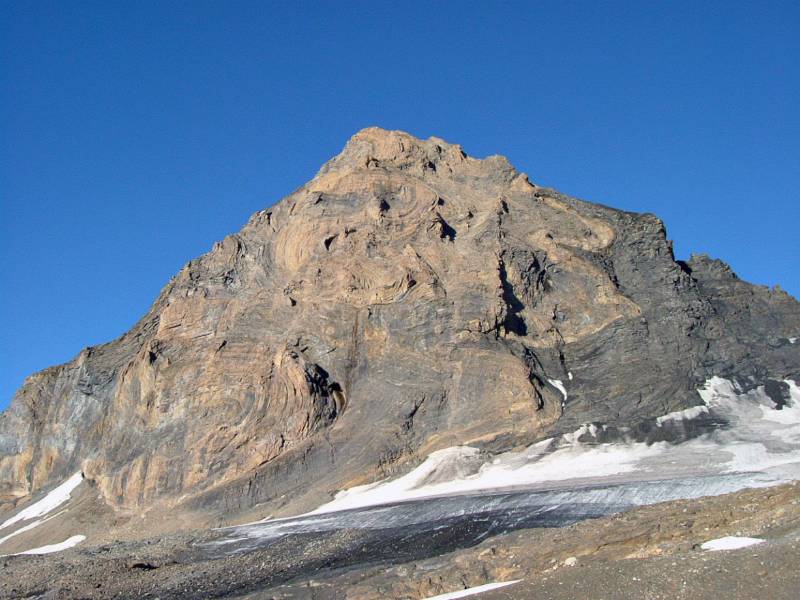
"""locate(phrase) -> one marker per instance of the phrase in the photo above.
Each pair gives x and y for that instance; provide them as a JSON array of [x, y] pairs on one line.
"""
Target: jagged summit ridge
[[375, 147], [409, 298]]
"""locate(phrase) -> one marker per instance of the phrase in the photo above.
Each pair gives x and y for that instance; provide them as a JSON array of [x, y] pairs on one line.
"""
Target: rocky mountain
[[406, 300]]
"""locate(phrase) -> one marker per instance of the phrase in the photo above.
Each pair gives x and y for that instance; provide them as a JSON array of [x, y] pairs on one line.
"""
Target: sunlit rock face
[[408, 299]]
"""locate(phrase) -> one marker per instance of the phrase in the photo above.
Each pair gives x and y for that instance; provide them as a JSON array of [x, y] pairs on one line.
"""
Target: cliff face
[[407, 299]]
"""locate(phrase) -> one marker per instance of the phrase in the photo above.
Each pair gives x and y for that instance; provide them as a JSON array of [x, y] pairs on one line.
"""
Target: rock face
[[407, 299]]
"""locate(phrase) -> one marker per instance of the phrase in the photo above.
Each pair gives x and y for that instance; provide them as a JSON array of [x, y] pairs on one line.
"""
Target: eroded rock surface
[[407, 299]]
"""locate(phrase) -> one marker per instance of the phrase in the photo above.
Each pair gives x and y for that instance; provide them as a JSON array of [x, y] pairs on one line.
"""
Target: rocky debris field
[[649, 552]]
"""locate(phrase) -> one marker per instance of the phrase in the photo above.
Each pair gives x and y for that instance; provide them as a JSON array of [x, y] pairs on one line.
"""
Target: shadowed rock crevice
[[513, 322]]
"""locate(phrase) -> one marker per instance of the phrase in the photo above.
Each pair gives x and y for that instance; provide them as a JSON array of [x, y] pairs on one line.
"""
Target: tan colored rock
[[407, 299]]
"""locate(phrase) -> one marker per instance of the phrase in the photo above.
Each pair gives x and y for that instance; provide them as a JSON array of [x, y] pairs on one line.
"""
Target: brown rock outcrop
[[406, 299]]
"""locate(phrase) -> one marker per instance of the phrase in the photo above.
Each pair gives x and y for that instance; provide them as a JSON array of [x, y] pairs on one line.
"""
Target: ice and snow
[[793, 340], [41, 508], [683, 415], [439, 472], [473, 590], [542, 462], [52, 500], [465, 469], [788, 416], [759, 440], [28, 527], [730, 543], [489, 512], [68, 543], [559, 385]]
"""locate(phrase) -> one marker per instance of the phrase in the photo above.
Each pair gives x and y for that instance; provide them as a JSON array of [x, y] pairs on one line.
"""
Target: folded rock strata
[[407, 299]]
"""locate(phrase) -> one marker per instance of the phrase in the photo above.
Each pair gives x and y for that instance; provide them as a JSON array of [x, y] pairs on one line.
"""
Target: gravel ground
[[651, 552], [765, 572]]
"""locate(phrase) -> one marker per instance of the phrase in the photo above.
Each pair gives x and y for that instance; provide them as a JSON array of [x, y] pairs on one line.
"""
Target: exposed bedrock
[[407, 299]]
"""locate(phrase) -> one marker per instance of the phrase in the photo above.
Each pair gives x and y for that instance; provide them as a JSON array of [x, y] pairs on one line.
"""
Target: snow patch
[[756, 419], [730, 543], [683, 415], [52, 500], [559, 385], [793, 340], [439, 470], [30, 526], [586, 428], [788, 415], [68, 543], [473, 590], [551, 460]]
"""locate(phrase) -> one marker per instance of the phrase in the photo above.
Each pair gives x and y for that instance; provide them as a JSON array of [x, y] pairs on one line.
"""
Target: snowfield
[[52, 500], [68, 543], [473, 590], [47, 504], [730, 543]]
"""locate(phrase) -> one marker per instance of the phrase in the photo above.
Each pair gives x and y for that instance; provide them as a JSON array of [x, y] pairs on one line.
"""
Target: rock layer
[[407, 299]]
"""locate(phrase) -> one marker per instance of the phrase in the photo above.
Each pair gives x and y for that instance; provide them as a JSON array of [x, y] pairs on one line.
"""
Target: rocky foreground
[[651, 552]]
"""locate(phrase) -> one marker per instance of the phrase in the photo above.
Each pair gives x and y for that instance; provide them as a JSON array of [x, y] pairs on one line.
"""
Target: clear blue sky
[[133, 135]]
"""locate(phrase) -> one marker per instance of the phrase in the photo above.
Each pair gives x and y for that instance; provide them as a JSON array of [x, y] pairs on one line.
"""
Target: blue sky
[[134, 135]]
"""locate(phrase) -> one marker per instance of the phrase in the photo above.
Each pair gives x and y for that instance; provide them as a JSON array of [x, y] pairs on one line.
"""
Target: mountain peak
[[375, 147], [407, 300]]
